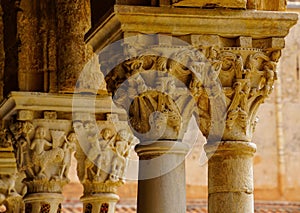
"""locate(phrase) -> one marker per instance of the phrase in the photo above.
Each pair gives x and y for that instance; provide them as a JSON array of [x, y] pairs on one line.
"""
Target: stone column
[[159, 107], [30, 75], [161, 185], [37, 46], [43, 155], [102, 153], [230, 172], [43, 202], [230, 153], [228, 80], [73, 21]]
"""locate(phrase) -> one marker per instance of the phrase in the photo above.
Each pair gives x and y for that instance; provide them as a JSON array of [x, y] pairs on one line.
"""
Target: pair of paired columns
[[222, 88]]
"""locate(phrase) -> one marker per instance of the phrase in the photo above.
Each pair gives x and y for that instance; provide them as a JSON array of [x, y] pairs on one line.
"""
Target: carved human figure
[[239, 67], [121, 149], [39, 142], [69, 148], [92, 155], [21, 132], [5, 138], [244, 96], [270, 77], [41, 157], [237, 86], [105, 143]]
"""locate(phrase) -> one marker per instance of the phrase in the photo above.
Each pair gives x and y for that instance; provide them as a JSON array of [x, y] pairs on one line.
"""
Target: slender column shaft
[[161, 186], [230, 177]]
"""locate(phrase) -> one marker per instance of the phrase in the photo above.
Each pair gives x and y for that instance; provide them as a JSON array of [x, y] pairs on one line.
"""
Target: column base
[[100, 203], [161, 186]]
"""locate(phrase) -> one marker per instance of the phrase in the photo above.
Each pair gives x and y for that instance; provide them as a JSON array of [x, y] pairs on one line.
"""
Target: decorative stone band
[[95, 187], [232, 161], [43, 202], [100, 202], [151, 150], [42, 185], [231, 147]]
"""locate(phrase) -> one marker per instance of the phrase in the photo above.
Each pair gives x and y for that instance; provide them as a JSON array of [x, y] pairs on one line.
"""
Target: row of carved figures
[[101, 156]]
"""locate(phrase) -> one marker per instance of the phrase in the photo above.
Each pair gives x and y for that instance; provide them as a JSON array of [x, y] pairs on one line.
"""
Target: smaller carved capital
[[103, 161], [102, 152], [43, 153]]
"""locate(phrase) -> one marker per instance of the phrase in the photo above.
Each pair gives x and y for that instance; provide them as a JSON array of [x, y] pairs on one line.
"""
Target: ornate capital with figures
[[103, 150], [222, 87], [42, 151]]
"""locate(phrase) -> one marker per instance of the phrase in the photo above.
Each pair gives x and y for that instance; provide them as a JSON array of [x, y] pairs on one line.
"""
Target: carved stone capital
[[42, 150], [247, 76], [154, 91], [222, 86], [9, 196], [102, 153]]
